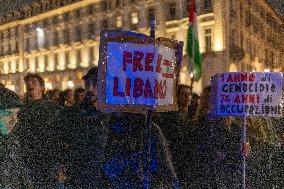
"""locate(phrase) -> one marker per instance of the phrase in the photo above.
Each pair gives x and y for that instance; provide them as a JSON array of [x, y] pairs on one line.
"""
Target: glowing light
[[191, 75], [134, 18], [40, 37], [48, 86], [266, 70], [70, 84], [11, 87], [119, 21], [218, 45]]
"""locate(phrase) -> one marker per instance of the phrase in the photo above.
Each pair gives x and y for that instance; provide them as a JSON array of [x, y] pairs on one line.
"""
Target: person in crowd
[[12, 171], [82, 139], [36, 133], [53, 95], [176, 127], [215, 149], [125, 155], [79, 95], [194, 103], [66, 98]]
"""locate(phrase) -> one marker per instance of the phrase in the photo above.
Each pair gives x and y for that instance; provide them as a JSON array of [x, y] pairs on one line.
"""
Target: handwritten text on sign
[[139, 74], [249, 94]]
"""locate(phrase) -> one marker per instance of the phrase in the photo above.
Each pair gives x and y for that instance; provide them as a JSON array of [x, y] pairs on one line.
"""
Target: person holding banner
[[214, 150], [82, 137], [125, 154], [176, 127]]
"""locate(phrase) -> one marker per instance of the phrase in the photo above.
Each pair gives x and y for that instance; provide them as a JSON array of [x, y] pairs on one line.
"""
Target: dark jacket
[[82, 138], [125, 157], [37, 136], [177, 128]]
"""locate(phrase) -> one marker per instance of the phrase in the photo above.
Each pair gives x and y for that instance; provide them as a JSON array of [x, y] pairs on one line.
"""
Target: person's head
[[66, 98], [195, 99], [183, 97], [90, 81], [205, 99], [53, 95], [35, 86], [79, 95]]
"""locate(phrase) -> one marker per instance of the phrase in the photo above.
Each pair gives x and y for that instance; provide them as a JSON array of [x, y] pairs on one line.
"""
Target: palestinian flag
[[193, 44]]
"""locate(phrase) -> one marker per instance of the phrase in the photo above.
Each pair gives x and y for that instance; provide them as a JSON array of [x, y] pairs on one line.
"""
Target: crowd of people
[[58, 139]]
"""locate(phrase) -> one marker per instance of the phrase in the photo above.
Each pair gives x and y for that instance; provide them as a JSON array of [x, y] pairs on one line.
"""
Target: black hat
[[91, 75]]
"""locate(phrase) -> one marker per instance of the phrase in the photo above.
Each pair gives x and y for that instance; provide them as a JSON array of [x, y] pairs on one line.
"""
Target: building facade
[[60, 38]]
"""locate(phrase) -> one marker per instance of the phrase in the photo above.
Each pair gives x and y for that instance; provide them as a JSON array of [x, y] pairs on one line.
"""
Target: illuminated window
[[118, 22], [6, 67], [134, 18], [208, 39]]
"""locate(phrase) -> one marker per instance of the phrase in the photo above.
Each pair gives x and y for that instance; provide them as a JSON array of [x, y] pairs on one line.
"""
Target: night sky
[[10, 5]]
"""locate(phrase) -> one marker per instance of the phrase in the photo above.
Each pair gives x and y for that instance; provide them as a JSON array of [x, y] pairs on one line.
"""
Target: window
[[117, 4], [104, 5], [67, 58], [56, 38], [207, 4], [77, 33], [172, 11], [66, 36], [91, 9], [105, 24], [134, 18], [78, 56], [92, 58], [248, 19], [118, 22], [55, 20], [91, 29], [151, 14], [66, 16], [1, 50], [77, 13], [208, 39]]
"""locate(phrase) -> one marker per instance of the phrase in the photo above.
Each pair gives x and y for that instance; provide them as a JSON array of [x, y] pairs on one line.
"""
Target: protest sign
[[247, 94], [137, 72]]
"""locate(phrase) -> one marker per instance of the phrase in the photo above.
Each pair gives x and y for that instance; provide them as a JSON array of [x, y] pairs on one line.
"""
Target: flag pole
[[243, 153], [146, 181], [191, 6]]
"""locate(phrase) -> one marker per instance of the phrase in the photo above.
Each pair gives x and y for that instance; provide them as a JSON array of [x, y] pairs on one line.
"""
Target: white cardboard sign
[[247, 94]]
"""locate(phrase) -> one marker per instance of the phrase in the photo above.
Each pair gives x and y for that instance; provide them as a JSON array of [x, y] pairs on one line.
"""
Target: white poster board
[[247, 94], [137, 72]]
